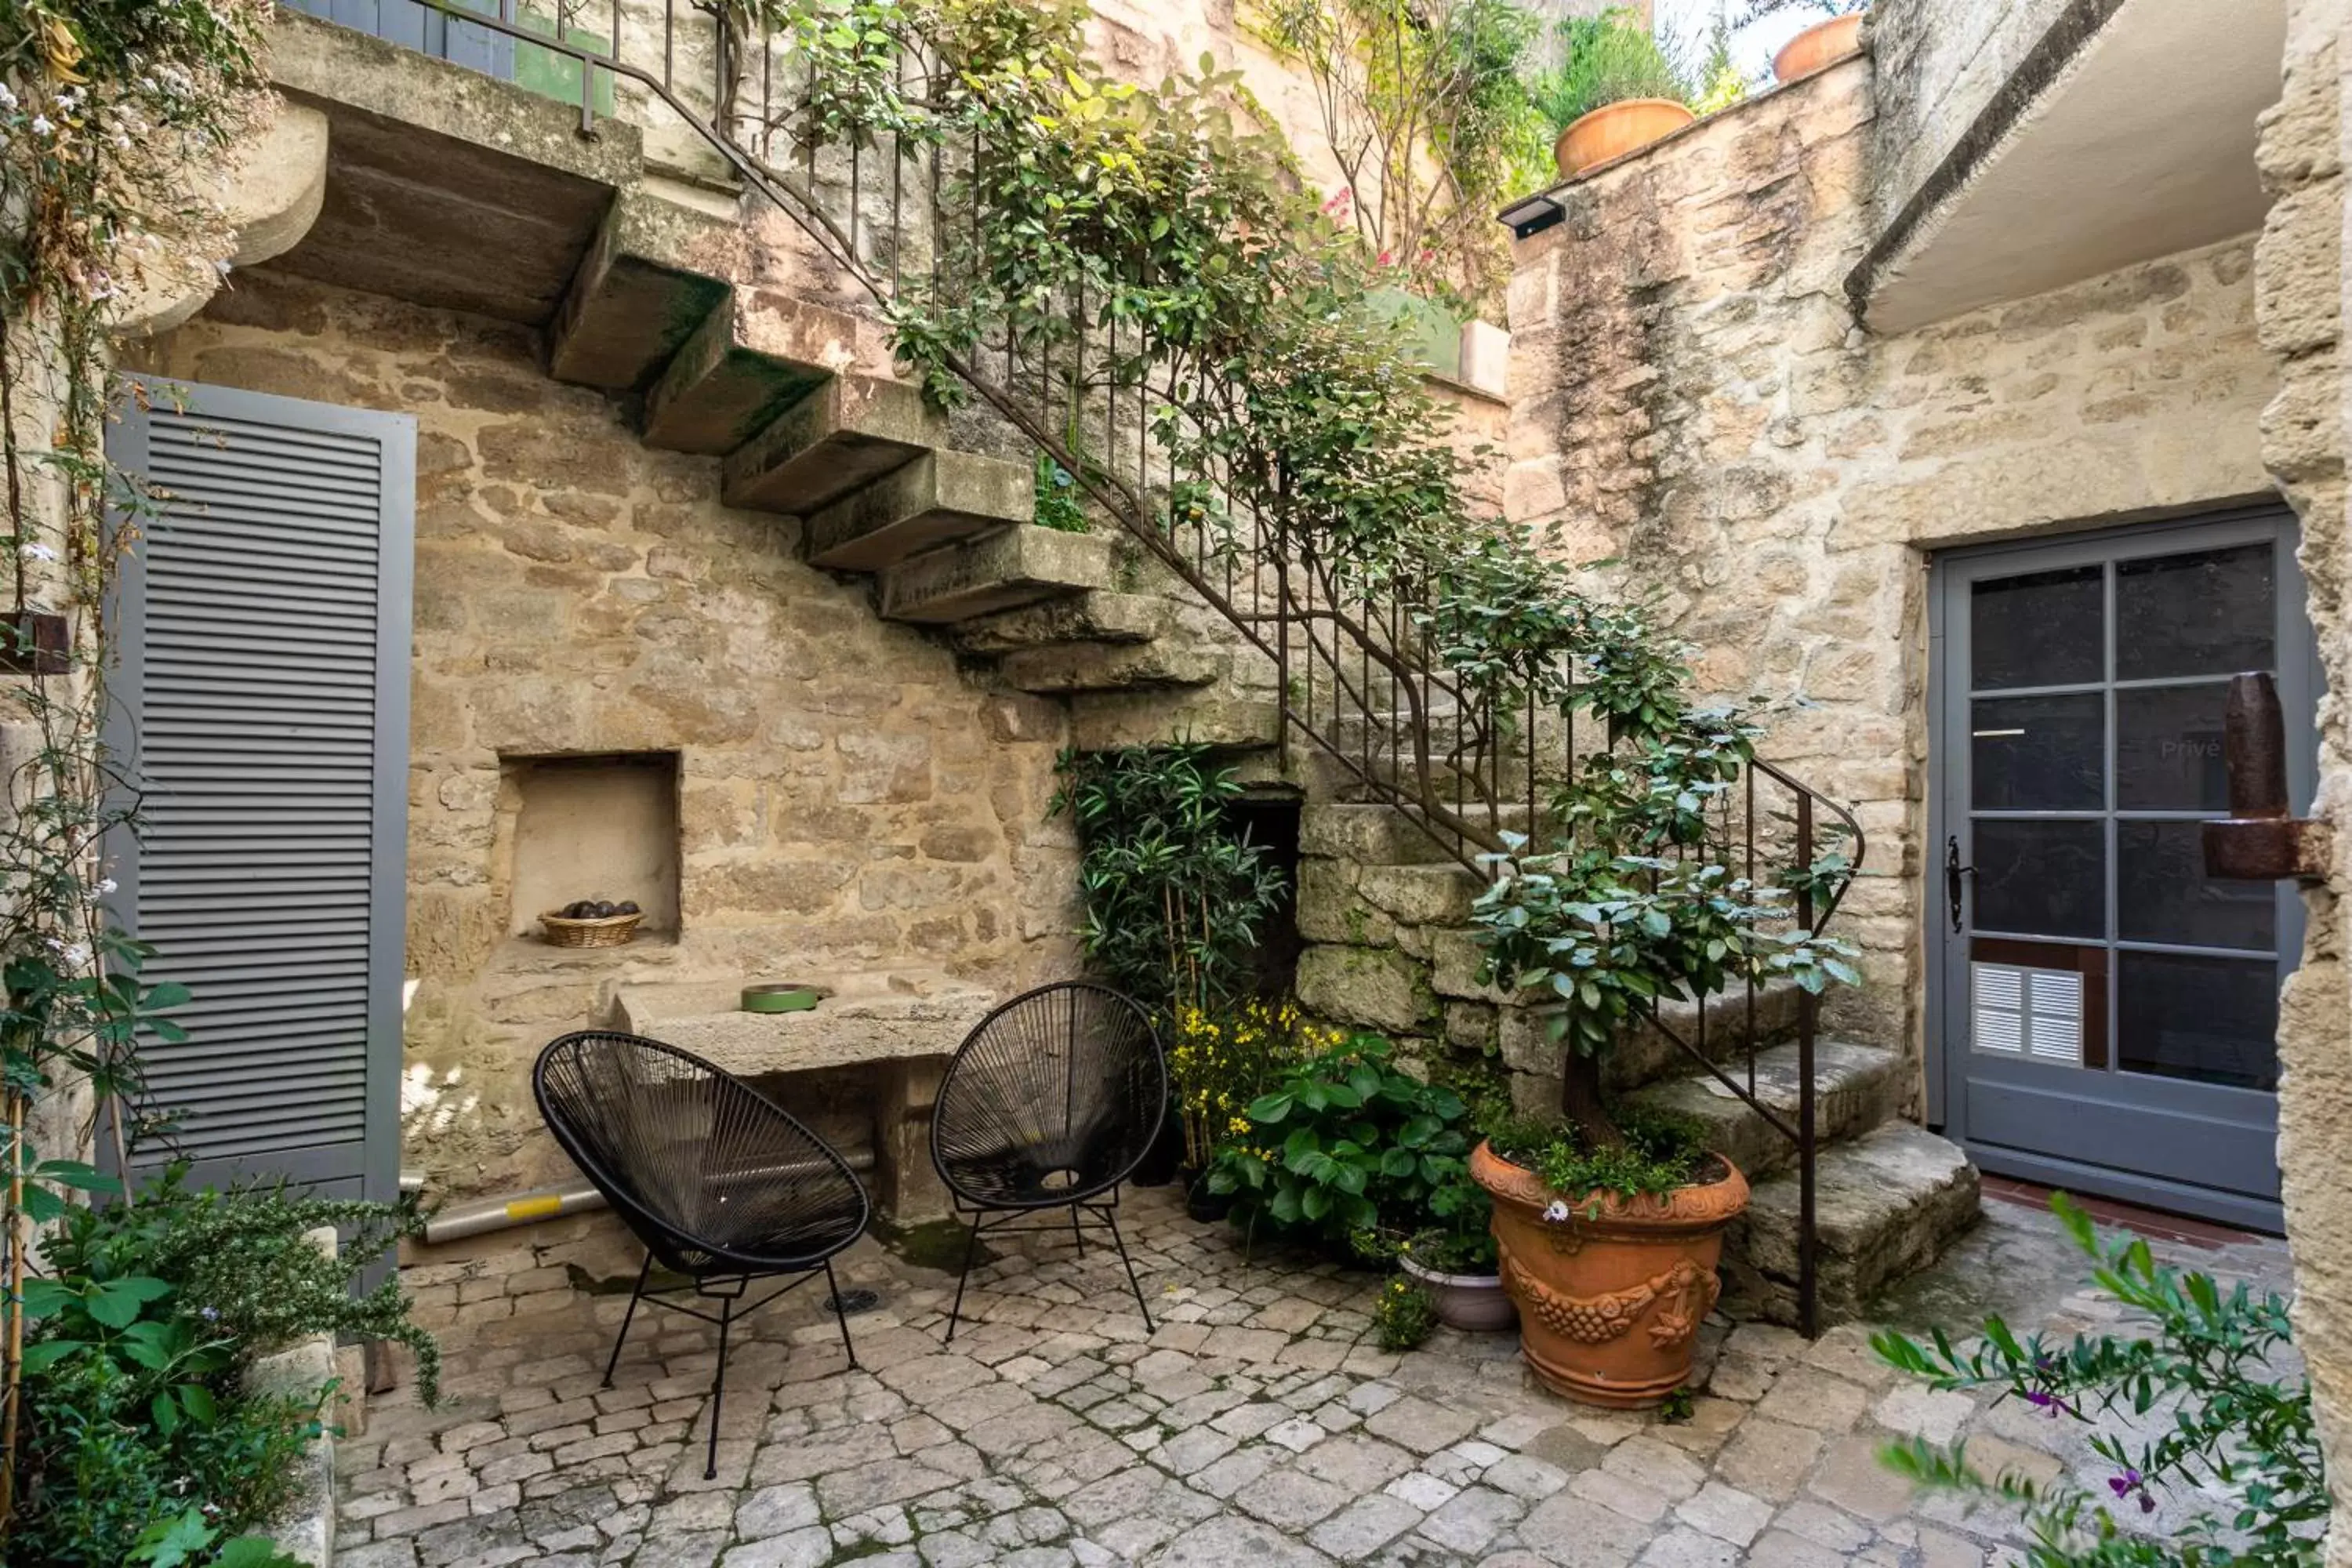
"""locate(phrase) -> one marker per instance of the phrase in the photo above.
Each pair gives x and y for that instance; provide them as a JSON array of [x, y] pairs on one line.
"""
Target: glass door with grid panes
[[2105, 1013]]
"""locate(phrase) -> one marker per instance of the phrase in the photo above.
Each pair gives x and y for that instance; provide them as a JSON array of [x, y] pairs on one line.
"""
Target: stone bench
[[903, 1041]]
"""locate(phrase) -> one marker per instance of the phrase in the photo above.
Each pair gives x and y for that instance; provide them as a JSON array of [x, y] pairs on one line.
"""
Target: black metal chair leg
[[1079, 1235], [970, 1247], [718, 1389], [622, 1338], [840, 1314], [1110, 1218]]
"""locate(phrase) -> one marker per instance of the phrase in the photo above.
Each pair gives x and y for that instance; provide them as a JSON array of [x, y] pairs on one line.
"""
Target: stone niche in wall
[[602, 826]]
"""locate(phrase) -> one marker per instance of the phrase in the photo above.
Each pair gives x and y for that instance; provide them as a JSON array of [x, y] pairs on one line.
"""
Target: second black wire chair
[[1050, 1104], [721, 1184]]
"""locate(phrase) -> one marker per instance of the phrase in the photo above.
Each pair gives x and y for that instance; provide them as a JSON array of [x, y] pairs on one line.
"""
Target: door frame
[[2300, 684]]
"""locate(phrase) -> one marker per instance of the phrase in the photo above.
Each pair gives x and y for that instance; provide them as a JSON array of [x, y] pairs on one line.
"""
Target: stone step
[[1110, 667], [1014, 566], [752, 359], [1886, 1206], [844, 436], [637, 297], [1368, 835], [1855, 1089], [1105, 721], [939, 498], [1110, 617]]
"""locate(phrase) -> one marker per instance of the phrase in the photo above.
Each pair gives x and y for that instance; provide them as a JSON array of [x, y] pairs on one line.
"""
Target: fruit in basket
[[602, 911], [627, 906], [577, 909]]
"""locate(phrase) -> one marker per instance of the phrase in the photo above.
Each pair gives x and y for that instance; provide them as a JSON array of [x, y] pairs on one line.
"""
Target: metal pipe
[[484, 1215]]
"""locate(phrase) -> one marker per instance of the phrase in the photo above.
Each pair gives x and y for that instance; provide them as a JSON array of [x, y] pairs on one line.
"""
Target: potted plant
[[1615, 90], [1453, 1259], [1176, 894], [1827, 41], [1609, 1222], [1609, 1251]]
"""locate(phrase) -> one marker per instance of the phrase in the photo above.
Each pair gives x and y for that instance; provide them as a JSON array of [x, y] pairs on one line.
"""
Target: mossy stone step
[[1886, 1205], [938, 498], [751, 360], [1855, 1089], [844, 436], [1014, 566]]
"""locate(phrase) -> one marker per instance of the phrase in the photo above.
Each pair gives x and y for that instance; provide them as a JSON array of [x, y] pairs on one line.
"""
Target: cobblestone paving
[[1260, 1425]]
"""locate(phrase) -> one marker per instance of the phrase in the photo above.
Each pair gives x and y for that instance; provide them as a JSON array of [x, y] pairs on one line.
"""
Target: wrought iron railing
[[1472, 765]]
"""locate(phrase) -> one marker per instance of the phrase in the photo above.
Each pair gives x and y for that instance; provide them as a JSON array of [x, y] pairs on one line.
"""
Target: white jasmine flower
[[33, 549], [40, 125], [74, 954], [1557, 1212], [108, 884], [7, 99]]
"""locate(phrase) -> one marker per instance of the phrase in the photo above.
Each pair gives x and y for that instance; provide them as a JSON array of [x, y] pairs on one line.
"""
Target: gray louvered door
[[261, 708]]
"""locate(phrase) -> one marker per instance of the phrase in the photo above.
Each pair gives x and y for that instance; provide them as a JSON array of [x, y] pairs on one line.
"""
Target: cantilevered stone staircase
[[1394, 908], [755, 378]]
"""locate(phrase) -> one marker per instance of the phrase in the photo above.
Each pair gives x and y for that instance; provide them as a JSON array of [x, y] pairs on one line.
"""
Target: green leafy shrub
[[1659, 1154], [120, 1456], [2204, 1362], [239, 1260], [141, 1442], [1403, 1315], [1348, 1143]]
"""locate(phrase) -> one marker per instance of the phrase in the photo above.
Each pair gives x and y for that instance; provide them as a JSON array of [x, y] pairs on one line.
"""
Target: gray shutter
[[261, 708]]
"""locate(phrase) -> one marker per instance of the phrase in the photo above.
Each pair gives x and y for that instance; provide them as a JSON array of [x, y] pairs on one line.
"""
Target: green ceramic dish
[[789, 996]]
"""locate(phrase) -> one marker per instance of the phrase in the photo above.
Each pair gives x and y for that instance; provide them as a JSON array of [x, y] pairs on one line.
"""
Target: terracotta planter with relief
[[1823, 43], [1610, 1299], [1614, 129]]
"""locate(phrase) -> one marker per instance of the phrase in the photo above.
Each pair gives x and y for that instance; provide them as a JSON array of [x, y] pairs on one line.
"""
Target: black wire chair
[[718, 1182], [1050, 1104]]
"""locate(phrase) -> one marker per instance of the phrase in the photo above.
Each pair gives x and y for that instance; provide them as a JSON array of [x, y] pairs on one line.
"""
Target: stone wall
[[1940, 63], [1693, 400], [2300, 291], [851, 808]]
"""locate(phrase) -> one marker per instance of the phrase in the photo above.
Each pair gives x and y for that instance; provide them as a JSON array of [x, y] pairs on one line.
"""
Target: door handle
[[1956, 890]]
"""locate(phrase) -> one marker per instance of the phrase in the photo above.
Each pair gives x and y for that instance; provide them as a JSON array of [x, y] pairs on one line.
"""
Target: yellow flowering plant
[[1223, 1058]]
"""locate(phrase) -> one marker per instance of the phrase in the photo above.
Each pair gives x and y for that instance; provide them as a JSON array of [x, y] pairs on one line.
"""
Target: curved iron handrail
[[1313, 629]]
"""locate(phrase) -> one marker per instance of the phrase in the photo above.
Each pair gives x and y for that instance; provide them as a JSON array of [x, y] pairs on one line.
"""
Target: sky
[[1752, 45]]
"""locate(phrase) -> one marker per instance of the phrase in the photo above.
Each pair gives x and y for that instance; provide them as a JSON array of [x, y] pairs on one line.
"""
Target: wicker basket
[[612, 931]]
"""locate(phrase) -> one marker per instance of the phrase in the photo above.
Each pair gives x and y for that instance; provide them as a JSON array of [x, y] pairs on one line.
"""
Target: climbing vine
[[113, 115]]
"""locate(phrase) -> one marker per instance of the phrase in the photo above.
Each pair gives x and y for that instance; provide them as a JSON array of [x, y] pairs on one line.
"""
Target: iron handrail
[[1314, 629]]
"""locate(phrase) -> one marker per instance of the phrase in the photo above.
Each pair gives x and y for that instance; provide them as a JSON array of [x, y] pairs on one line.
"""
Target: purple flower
[[2131, 1483]]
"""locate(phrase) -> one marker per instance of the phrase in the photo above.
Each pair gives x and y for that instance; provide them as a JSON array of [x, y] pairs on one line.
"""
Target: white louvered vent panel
[[2020, 1012], [258, 708], [2055, 1030]]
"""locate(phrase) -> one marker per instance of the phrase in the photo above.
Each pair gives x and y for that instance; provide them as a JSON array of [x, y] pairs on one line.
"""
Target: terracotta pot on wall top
[[1823, 43], [1616, 129], [1611, 1298]]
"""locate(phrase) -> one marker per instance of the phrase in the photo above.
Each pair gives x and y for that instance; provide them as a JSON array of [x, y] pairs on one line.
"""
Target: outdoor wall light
[[1532, 215]]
